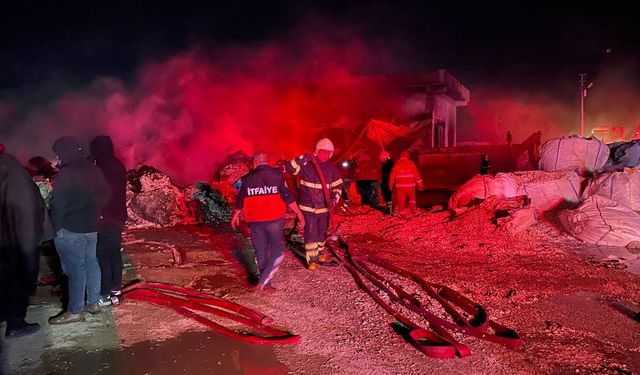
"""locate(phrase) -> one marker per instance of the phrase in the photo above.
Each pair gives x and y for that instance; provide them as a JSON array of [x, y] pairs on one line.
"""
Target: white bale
[[549, 190], [622, 187], [602, 221], [574, 153], [482, 186]]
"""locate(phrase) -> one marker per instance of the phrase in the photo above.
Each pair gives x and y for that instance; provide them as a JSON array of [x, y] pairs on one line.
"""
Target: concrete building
[[431, 96]]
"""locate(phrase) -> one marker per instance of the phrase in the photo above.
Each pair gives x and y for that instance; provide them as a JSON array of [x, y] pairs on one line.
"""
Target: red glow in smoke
[[186, 114], [492, 112]]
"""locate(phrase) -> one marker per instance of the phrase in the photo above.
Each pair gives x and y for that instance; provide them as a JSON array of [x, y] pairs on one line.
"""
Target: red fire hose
[[437, 343], [183, 301]]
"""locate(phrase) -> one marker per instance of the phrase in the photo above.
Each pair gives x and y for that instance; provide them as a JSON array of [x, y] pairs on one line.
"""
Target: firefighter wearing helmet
[[311, 197]]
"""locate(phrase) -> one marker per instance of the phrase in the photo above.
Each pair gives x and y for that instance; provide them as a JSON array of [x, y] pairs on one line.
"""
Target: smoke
[[185, 114], [493, 111], [611, 101]]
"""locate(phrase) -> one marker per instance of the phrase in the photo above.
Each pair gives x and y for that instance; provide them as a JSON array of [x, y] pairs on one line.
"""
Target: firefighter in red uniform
[[311, 198], [262, 198], [403, 180]]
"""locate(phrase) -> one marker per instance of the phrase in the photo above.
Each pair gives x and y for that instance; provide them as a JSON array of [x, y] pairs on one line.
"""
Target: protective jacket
[[263, 195], [404, 175], [311, 196]]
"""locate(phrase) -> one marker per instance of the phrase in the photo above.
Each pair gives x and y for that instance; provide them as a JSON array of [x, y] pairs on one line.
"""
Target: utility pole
[[584, 86]]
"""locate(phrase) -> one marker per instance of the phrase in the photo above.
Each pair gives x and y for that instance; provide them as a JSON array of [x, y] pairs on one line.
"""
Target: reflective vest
[[311, 196], [404, 175], [263, 195]]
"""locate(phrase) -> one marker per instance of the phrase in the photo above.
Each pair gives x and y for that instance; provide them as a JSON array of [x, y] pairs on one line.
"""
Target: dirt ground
[[571, 308]]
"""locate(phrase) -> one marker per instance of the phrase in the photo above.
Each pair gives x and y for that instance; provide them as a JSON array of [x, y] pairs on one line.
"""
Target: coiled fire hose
[[184, 301]]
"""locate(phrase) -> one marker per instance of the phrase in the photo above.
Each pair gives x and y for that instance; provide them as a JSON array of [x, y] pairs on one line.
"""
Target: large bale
[[573, 153], [622, 187], [153, 200], [601, 221], [549, 190], [482, 186]]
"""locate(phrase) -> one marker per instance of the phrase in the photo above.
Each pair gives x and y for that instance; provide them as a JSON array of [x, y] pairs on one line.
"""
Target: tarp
[[622, 187], [601, 221], [623, 155], [384, 132], [573, 153]]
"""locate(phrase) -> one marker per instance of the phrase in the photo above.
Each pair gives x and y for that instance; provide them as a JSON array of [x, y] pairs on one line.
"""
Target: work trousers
[[110, 260], [315, 233], [268, 241], [79, 262], [402, 193]]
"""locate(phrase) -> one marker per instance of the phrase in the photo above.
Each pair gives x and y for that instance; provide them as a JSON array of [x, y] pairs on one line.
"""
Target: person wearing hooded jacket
[[80, 192], [112, 219], [311, 199], [21, 230]]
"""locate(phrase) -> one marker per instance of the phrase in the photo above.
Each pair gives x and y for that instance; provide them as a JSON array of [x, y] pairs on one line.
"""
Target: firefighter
[[403, 180], [385, 169], [311, 198], [262, 198]]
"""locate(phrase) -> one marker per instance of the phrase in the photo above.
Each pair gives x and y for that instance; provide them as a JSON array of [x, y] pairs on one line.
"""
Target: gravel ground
[[537, 282]]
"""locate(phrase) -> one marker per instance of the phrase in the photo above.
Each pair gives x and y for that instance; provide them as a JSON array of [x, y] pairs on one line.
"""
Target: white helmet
[[324, 144], [384, 156]]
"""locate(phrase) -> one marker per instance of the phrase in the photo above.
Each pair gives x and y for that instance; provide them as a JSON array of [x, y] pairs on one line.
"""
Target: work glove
[[335, 198], [303, 159]]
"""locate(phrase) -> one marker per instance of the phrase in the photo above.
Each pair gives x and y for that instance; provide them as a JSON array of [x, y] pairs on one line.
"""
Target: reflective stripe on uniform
[[319, 186], [313, 210], [295, 166]]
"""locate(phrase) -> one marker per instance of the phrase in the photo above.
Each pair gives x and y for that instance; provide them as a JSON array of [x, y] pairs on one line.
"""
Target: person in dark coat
[[485, 165], [385, 169], [113, 218], [80, 192], [21, 225]]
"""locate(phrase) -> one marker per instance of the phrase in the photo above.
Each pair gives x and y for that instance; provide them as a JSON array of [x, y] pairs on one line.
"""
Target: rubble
[[154, 201]]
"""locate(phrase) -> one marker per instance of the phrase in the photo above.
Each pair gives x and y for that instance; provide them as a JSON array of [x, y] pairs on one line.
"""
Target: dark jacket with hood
[[80, 190], [21, 220], [114, 213]]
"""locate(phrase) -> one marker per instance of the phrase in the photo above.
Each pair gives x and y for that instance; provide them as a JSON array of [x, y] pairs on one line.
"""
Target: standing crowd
[[84, 216]]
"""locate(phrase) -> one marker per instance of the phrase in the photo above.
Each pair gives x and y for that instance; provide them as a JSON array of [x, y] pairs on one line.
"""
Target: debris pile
[[154, 201], [594, 193]]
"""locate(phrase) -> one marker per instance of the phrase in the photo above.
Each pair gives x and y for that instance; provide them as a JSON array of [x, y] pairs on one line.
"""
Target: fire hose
[[437, 342], [184, 301]]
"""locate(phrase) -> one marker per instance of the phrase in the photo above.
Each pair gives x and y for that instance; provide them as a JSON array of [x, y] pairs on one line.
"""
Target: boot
[[311, 255], [312, 264], [93, 308], [21, 329], [66, 318], [322, 257]]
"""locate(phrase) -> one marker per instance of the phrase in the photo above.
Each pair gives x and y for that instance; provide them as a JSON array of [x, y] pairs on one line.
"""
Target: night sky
[[187, 83], [481, 42]]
